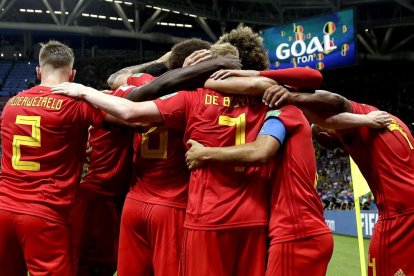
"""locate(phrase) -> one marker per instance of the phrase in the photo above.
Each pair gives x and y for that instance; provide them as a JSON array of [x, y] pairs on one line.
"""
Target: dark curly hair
[[253, 56], [182, 50]]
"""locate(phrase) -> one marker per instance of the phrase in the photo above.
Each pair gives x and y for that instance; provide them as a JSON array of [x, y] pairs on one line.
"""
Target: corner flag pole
[[361, 188]]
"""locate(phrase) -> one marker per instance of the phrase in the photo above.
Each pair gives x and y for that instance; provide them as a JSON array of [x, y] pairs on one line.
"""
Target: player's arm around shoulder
[[258, 152], [374, 119], [254, 86], [116, 106]]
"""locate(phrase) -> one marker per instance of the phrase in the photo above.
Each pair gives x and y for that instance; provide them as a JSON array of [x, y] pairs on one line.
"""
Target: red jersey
[[220, 196], [110, 162], [160, 169], [140, 79], [44, 141], [296, 210], [386, 159]]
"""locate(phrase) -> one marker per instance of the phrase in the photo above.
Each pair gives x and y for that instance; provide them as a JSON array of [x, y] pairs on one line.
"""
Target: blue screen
[[321, 43]]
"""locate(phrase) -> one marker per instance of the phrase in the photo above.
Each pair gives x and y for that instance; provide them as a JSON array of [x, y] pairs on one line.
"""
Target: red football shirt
[[220, 196], [296, 210], [44, 142], [386, 159], [160, 169], [110, 162]]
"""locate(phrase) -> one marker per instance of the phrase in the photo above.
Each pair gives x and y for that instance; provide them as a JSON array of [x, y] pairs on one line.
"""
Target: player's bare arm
[[319, 101], [374, 119], [123, 109], [187, 78], [118, 78], [254, 86], [258, 152]]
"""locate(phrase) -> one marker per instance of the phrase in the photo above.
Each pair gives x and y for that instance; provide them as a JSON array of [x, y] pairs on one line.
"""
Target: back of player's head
[[223, 50], [253, 56], [157, 69], [182, 50], [326, 137], [56, 54]]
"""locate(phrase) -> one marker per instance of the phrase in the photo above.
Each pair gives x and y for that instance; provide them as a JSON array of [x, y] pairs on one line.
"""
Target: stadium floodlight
[[85, 14], [117, 1], [188, 26], [109, 0], [94, 15], [102, 16], [38, 11], [112, 18], [30, 10], [22, 10], [128, 3], [58, 12]]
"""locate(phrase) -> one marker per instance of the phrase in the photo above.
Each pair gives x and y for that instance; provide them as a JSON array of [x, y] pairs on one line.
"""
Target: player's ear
[[72, 76], [38, 73]]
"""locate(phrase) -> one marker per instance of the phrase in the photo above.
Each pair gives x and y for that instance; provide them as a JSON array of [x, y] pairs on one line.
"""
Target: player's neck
[[50, 76], [53, 79]]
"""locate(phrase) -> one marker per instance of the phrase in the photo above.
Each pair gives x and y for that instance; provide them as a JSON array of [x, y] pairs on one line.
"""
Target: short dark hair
[[157, 69], [253, 55], [182, 50], [56, 54]]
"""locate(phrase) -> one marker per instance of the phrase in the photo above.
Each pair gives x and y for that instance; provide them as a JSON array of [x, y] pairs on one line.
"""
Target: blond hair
[[224, 49], [250, 45], [56, 54]]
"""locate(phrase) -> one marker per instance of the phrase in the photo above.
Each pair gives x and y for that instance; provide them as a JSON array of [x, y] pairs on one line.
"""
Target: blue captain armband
[[274, 127]]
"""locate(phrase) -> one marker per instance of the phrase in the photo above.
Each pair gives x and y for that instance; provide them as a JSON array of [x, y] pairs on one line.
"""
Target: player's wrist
[[83, 94], [210, 154]]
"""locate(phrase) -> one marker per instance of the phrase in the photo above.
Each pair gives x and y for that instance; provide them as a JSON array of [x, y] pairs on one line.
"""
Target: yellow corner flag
[[361, 188]]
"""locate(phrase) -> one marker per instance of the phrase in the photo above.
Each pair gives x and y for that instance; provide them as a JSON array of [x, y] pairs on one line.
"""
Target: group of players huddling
[[221, 175]]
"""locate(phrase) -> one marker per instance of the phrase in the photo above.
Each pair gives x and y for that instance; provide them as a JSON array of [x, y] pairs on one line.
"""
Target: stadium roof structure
[[170, 21]]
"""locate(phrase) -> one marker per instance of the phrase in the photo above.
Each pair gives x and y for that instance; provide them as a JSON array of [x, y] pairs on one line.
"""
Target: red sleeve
[[173, 109], [296, 77], [93, 115], [123, 90], [358, 108], [140, 79]]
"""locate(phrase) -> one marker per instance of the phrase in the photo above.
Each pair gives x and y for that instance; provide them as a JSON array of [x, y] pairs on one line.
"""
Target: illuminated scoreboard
[[324, 42]]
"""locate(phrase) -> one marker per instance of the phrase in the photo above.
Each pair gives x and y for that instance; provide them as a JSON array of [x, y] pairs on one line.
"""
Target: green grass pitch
[[345, 259]]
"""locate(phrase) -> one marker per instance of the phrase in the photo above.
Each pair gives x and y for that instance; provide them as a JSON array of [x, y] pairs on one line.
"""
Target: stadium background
[[110, 34]]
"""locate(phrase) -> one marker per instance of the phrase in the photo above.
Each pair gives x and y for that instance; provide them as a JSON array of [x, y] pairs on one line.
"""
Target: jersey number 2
[[33, 141]]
